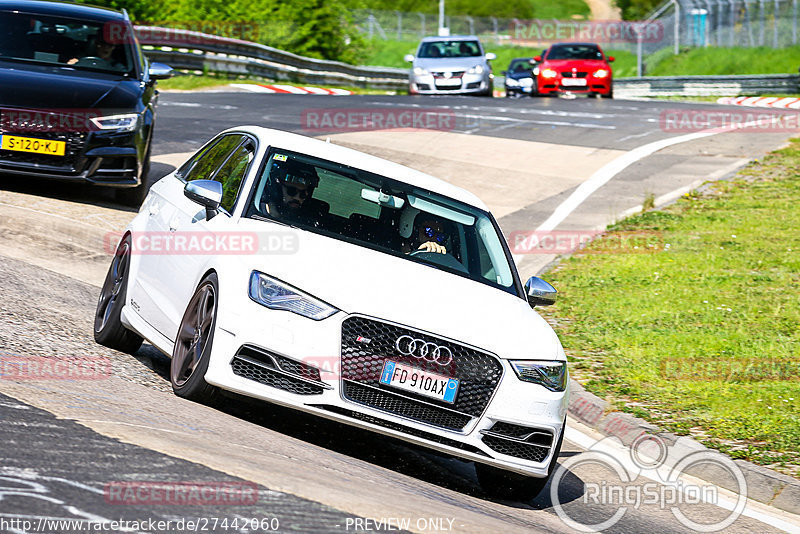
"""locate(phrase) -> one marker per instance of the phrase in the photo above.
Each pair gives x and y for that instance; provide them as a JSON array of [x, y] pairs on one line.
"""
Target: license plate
[[416, 380], [573, 82], [29, 144], [448, 82]]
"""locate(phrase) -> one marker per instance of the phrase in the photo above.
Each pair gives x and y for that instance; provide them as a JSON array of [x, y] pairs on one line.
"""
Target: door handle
[[173, 225], [153, 209]]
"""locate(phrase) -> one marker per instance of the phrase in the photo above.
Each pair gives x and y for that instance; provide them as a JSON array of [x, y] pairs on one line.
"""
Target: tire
[[609, 95], [193, 343], [108, 328], [134, 196], [502, 484]]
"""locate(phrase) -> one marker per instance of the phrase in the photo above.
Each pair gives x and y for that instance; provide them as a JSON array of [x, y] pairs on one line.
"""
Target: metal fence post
[[494, 29], [761, 21], [639, 52], [678, 26], [775, 25], [794, 21], [732, 31], [422, 23], [399, 26], [471, 23]]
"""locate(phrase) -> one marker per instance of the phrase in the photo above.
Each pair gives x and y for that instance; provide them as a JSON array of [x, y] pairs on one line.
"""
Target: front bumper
[[102, 158], [465, 84], [556, 85], [298, 363]]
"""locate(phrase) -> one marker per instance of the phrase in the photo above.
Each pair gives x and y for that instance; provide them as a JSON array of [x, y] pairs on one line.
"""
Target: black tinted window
[[232, 173], [575, 52], [205, 163], [67, 42]]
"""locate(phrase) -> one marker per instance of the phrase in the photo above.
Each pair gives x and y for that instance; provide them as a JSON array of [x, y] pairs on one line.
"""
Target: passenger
[[290, 194]]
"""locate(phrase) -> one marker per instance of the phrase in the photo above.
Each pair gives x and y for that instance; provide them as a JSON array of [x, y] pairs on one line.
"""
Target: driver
[[101, 57], [293, 185]]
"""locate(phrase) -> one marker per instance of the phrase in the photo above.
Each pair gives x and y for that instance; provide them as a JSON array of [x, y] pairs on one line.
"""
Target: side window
[[203, 165], [232, 172]]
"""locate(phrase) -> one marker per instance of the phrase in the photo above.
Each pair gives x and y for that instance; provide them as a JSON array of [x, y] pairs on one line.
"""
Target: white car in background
[[313, 276], [451, 65]]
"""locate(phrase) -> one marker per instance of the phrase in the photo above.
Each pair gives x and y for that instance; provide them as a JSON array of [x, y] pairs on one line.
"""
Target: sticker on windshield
[[279, 157]]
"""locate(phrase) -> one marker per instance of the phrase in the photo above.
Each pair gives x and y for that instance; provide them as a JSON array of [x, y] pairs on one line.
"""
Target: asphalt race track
[[64, 443]]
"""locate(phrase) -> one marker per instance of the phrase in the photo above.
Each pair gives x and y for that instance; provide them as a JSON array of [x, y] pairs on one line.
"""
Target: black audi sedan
[[77, 96]]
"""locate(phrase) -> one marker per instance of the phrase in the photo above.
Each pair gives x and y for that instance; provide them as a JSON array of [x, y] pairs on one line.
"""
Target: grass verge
[[700, 335]]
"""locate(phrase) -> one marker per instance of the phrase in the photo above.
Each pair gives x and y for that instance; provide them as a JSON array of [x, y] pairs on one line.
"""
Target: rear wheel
[[503, 484], [108, 328], [192, 350]]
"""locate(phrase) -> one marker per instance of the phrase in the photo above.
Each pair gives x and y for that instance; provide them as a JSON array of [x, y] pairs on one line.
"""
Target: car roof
[[360, 160], [64, 9], [521, 59], [450, 38], [573, 44]]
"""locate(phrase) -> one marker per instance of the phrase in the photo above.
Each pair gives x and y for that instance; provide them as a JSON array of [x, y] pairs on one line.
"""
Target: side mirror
[[539, 292], [490, 56], [537, 59], [408, 57], [207, 193], [610, 59], [159, 71]]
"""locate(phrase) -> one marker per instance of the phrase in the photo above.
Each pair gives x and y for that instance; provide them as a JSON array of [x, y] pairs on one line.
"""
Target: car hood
[[566, 64], [363, 281], [35, 87], [449, 64]]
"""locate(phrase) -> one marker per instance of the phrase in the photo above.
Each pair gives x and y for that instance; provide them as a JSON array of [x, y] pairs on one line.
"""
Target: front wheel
[[192, 350], [503, 484], [108, 327]]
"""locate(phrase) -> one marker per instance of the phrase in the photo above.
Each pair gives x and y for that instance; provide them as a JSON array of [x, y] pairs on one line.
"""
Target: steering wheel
[[437, 258]]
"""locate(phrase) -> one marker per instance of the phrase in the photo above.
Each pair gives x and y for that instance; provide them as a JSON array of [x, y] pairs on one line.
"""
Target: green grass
[[700, 334], [724, 61]]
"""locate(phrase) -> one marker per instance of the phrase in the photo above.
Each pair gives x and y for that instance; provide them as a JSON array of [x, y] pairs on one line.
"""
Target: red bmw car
[[574, 68]]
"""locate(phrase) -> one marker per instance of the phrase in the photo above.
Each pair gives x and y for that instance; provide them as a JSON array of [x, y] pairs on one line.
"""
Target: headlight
[[477, 69], [526, 82], [600, 73], [279, 296], [552, 375], [511, 82], [121, 123], [419, 71], [549, 73], [535, 71]]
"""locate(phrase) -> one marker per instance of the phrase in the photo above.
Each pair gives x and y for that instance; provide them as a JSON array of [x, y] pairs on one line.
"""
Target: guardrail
[[201, 52], [749, 84], [195, 51]]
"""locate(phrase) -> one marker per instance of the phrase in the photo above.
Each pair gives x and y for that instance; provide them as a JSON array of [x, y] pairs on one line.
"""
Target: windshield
[[61, 41], [381, 214], [520, 65], [575, 52], [450, 49]]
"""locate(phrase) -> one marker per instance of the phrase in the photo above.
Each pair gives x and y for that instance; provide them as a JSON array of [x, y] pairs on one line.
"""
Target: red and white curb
[[761, 101], [290, 89]]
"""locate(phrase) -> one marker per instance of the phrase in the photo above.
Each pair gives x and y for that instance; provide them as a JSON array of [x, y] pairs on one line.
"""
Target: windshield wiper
[[258, 217]]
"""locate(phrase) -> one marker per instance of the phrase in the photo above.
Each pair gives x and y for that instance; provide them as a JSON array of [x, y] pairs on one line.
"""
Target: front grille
[[448, 87], [519, 441], [518, 449], [259, 365], [402, 428], [478, 373], [456, 74], [399, 405], [69, 163], [570, 74]]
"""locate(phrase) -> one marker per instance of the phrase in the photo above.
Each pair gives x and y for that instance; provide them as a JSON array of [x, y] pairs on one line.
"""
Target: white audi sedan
[[313, 276]]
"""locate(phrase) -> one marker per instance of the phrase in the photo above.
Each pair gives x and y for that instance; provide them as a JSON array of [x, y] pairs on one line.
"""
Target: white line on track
[[726, 500]]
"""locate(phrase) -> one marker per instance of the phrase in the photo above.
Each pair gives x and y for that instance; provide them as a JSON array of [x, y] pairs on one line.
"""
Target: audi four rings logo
[[422, 350]]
